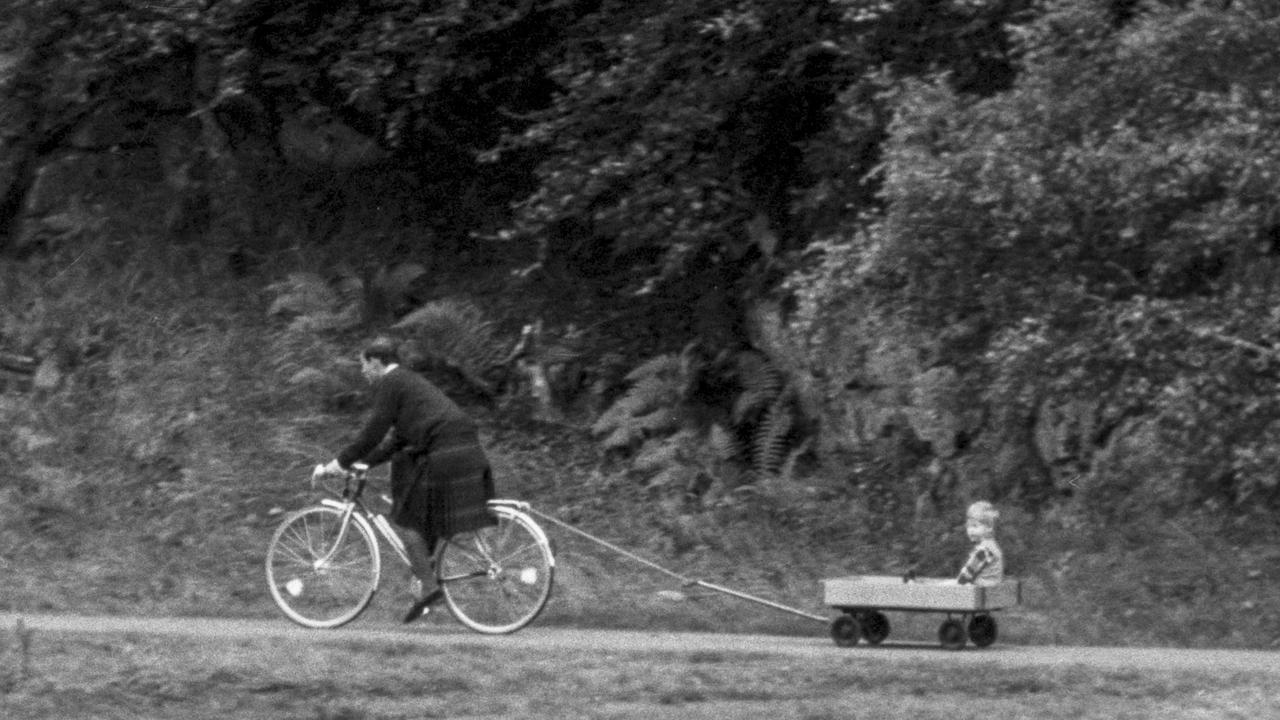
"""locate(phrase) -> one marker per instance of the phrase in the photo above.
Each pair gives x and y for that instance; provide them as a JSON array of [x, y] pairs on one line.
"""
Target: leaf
[[660, 419], [301, 294], [723, 444], [620, 438], [655, 455], [654, 367], [457, 333], [761, 382], [769, 447], [670, 477], [651, 406]]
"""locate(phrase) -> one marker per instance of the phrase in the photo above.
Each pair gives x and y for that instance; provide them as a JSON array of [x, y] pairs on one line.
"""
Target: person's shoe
[[422, 608]]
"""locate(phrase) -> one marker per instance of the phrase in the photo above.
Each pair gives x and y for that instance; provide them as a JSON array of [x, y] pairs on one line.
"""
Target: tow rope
[[683, 579]]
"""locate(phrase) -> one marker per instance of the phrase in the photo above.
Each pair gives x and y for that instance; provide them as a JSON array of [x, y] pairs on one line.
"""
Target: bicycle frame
[[355, 511], [370, 520], [495, 580]]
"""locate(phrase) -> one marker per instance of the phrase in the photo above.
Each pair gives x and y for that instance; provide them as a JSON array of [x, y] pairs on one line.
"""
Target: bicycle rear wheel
[[321, 574], [497, 579]]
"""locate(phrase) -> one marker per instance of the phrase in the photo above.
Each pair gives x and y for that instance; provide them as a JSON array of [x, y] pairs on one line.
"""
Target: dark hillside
[[767, 291], [146, 464]]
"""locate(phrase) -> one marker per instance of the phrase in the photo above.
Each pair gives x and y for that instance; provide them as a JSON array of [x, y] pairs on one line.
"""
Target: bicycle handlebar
[[358, 472]]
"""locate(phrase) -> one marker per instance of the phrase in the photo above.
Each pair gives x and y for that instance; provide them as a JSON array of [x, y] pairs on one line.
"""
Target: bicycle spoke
[[308, 538], [532, 546], [477, 556], [298, 535], [296, 556], [484, 547]]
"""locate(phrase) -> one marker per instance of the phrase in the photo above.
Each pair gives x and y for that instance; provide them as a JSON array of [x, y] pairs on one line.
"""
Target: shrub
[[685, 438], [1104, 229]]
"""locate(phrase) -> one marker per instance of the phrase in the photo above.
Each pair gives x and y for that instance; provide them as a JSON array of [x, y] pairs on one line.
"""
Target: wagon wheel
[[951, 634], [982, 630], [875, 627], [845, 630]]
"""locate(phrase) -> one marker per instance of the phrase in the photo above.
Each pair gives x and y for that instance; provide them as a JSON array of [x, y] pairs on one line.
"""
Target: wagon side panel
[[890, 593]]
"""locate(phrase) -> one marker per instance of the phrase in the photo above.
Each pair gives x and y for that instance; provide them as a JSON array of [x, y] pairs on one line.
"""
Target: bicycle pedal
[[417, 612], [422, 608]]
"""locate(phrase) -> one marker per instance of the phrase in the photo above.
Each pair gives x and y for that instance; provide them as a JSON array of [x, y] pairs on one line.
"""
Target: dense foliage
[[658, 130], [687, 134], [1105, 232], [68, 63], [1021, 208]]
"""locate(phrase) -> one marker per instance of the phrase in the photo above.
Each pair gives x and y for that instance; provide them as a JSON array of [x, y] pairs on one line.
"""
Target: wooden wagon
[[863, 599]]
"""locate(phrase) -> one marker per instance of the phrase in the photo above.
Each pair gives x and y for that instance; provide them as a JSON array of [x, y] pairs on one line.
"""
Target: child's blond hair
[[984, 512]]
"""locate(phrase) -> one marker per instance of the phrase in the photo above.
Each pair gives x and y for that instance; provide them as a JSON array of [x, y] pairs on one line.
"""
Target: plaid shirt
[[985, 565]]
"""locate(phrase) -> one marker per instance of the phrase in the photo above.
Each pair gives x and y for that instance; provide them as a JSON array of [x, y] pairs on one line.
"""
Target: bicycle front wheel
[[497, 579], [322, 570]]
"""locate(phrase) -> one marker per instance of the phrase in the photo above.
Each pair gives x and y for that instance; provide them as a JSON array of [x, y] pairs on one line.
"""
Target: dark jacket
[[440, 477], [415, 410]]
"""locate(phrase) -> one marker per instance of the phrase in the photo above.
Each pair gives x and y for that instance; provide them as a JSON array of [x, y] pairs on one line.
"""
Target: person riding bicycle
[[441, 481]]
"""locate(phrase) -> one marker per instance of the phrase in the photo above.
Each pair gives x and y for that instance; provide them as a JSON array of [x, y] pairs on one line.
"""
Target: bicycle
[[324, 562]]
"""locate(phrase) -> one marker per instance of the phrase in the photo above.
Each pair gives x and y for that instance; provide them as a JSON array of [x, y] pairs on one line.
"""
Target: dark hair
[[381, 349]]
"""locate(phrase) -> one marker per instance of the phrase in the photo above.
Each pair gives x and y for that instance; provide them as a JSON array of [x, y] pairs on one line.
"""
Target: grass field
[[53, 676]]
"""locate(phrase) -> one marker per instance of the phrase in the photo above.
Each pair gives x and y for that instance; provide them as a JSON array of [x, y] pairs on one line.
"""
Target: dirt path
[[446, 633]]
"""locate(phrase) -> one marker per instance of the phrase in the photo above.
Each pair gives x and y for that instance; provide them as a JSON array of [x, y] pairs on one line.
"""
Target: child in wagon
[[985, 566]]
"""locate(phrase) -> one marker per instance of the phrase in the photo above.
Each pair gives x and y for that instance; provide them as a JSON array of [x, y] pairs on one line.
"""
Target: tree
[[1105, 228], [695, 133], [433, 85], [426, 87], [72, 62]]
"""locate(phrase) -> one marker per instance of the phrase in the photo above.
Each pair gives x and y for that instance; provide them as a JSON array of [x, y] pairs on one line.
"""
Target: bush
[[1102, 230]]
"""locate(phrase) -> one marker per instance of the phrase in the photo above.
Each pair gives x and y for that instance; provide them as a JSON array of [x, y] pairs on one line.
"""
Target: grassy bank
[[148, 476]]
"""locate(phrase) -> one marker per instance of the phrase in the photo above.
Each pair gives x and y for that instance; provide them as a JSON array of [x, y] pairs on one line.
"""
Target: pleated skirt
[[445, 490]]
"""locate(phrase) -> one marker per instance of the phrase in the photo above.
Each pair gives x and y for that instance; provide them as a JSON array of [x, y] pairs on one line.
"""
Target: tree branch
[[1207, 334]]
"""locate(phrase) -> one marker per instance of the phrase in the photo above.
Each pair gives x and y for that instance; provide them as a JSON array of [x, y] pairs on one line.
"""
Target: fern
[[299, 294], [659, 366], [457, 334], [642, 400], [723, 443], [769, 442], [655, 455], [670, 476], [755, 440], [788, 469], [761, 383], [653, 392], [675, 462], [616, 416], [648, 407], [662, 419], [313, 304]]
